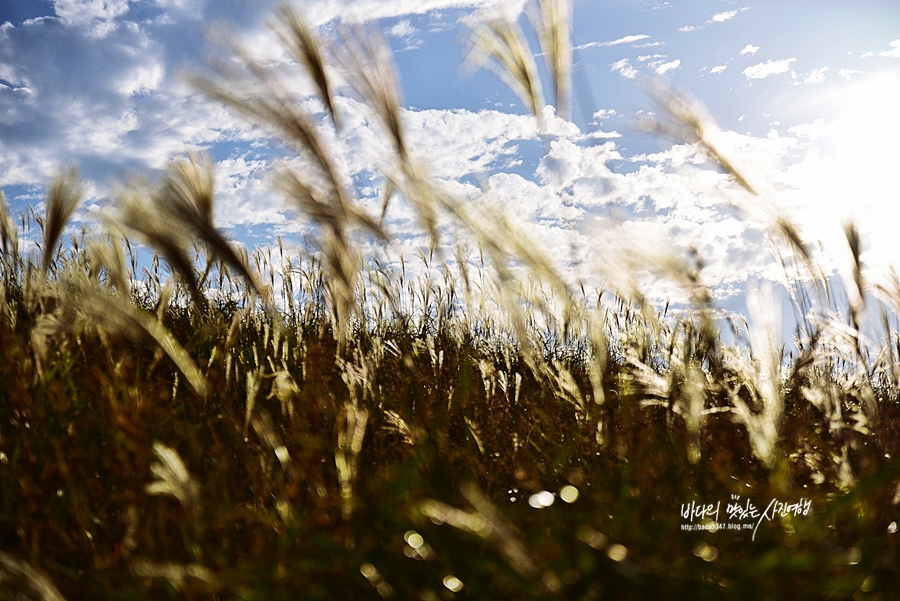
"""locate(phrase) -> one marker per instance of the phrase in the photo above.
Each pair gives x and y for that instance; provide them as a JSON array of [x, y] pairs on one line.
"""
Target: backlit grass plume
[[497, 43], [62, 199]]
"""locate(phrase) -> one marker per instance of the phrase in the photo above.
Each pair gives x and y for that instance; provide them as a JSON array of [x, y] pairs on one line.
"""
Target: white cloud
[[568, 164], [724, 16], [716, 18], [867, 54], [628, 39], [244, 193], [770, 67], [816, 76], [894, 52], [749, 49], [325, 11], [718, 69], [624, 68], [85, 12], [604, 114], [180, 9], [812, 131], [665, 67], [656, 62], [142, 79], [107, 104], [460, 143], [848, 73], [402, 29]]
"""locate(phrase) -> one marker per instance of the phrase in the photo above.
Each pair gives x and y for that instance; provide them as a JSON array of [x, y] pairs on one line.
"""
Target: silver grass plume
[[173, 478], [298, 39], [552, 20], [63, 198], [320, 193], [167, 238], [690, 122], [497, 43], [186, 197], [21, 582]]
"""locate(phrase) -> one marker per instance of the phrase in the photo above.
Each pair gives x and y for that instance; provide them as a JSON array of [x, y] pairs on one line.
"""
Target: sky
[[806, 93]]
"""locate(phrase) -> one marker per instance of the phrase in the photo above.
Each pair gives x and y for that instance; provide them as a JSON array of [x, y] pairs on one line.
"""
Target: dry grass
[[374, 434]]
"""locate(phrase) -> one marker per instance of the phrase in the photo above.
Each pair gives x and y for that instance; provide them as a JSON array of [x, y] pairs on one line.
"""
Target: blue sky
[[807, 91]]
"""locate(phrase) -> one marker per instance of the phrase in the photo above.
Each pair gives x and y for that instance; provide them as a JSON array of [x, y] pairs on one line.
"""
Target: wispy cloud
[[324, 11], [657, 62], [406, 31], [749, 49], [718, 69], [402, 29], [716, 18], [670, 66], [628, 39], [848, 73], [770, 67]]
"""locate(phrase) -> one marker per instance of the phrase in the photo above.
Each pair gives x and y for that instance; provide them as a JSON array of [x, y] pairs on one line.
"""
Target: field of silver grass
[[224, 424]]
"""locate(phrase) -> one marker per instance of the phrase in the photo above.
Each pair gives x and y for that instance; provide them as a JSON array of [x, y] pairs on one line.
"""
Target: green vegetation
[[191, 430]]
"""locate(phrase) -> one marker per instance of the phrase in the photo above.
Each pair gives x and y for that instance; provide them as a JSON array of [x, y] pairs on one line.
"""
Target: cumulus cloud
[[461, 143], [624, 68], [405, 30], [244, 193], [179, 9], [894, 52], [770, 67], [142, 79], [84, 12], [724, 16], [816, 76], [112, 105], [655, 62], [402, 29], [109, 104], [665, 67]]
